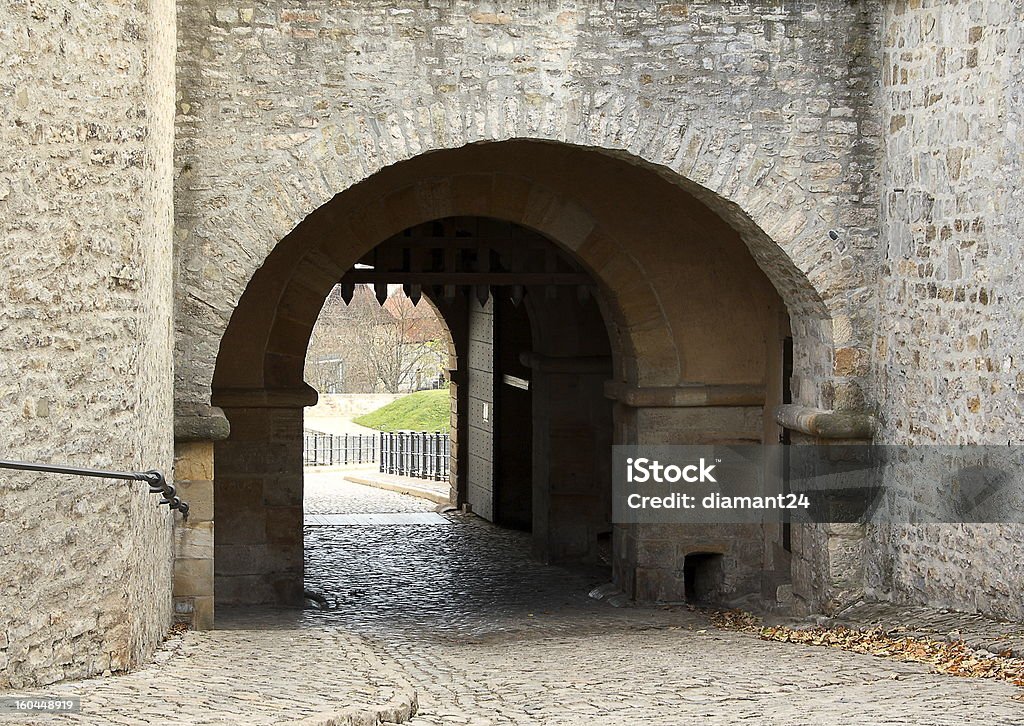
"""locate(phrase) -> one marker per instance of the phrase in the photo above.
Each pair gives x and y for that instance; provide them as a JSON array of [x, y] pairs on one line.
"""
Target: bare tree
[[375, 347], [402, 345]]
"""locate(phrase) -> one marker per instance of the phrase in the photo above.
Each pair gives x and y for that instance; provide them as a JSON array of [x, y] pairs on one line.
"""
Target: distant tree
[[376, 348], [396, 350]]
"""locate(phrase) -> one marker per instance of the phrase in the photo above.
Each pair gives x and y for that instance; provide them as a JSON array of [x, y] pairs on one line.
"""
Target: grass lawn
[[420, 411]]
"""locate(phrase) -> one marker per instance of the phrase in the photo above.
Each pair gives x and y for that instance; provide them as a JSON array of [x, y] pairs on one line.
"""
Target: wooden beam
[[533, 242], [371, 277]]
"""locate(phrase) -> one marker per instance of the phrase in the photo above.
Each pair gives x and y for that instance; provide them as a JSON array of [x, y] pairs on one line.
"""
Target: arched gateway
[[679, 336]]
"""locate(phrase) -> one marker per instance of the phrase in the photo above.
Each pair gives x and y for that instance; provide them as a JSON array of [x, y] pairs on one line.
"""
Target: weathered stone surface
[[199, 422], [767, 114], [85, 332], [867, 155], [950, 325], [249, 676], [826, 424]]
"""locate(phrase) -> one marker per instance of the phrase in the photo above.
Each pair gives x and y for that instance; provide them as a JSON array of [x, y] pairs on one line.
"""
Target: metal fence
[[415, 453], [320, 449]]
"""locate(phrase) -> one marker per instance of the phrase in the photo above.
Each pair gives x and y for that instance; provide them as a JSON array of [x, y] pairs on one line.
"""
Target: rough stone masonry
[[866, 152], [85, 332]]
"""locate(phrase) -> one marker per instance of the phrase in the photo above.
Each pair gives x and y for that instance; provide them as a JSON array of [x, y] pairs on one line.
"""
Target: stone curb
[[409, 489], [399, 708]]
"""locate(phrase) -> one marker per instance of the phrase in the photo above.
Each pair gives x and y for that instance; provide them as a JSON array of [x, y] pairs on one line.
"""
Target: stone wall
[[291, 117], [766, 109], [85, 332], [948, 354], [774, 115]]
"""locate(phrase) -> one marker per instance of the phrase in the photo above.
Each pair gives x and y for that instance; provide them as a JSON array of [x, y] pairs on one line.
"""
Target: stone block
[[199, 495], [193, 577], [193, 461], [194, 540]]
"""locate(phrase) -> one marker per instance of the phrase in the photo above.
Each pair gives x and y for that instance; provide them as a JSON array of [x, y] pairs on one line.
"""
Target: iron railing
[[320, 449], [156, 481], [418, 454]]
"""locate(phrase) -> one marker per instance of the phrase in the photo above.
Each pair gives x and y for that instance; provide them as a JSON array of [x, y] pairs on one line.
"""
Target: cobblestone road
[[488, 637], [244, 677], [329, 493]]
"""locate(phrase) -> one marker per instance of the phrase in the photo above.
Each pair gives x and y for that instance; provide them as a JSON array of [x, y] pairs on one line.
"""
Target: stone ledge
[[266, 397], [694, 395], [826, 424], [403, 485]]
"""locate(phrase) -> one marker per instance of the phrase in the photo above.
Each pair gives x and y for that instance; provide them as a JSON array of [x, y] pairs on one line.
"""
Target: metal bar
[[75, 471], [156, 481], [419, 454]]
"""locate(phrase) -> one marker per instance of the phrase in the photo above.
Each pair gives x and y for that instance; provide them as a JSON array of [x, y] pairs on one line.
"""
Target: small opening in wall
[[703, 577], [604, 547]]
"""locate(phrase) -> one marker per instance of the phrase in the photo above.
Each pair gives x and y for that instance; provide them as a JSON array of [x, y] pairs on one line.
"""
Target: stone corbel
[[825, 424], [199, 422]]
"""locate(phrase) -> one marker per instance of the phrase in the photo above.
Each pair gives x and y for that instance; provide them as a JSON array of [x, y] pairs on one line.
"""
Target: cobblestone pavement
[[310, 676], [329, 493], [486, 637], [489, 637]]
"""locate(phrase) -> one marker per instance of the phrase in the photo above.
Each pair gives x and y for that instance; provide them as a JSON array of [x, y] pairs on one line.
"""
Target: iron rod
[[156, 481], [76, 471]]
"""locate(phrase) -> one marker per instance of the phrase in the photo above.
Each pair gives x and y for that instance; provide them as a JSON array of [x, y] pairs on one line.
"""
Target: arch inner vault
[[634, 311]]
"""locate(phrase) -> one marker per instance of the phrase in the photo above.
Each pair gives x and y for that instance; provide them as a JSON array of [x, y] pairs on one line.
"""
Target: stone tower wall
[[949, 350], [85, 332]]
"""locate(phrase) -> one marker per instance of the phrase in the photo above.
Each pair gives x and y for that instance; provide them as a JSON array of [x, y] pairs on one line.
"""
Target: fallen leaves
[[955, 658], [734, 620]]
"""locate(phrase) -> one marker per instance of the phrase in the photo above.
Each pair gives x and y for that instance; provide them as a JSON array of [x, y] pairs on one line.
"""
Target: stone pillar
[[828, 559], [649, 561], [258, 498], [459, 424], [571, 455], [195, 430]]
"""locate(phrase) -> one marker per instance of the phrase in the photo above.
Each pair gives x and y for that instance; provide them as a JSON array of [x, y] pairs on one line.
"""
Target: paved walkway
[[488, 637], [333, 412], [310, 676], [327, 492]]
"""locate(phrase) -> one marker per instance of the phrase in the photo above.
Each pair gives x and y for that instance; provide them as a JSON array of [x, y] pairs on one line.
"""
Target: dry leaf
[[953, 658]]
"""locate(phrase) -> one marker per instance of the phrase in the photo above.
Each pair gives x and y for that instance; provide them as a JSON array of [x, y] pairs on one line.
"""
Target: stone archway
[[696, 324]]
